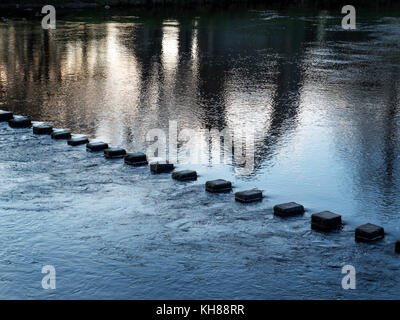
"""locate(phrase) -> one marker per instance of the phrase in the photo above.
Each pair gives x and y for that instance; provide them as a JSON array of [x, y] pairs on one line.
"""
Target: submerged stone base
[[288, 209], [218, 186], [369, 232]]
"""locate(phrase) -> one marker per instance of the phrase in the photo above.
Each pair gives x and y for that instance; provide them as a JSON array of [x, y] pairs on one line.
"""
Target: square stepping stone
[[96, 146], [61, 134], [5, 115], [78, 141], [42, 129], [326, 221], [218, 186], [161, 167], [248, 196], [397, 246], [288, 209], [369, 232], [114, 152], [185, 175], [20, 122], [136, 159]]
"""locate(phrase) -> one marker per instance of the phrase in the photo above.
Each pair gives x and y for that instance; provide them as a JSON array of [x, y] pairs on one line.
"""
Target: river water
[[319, 103]]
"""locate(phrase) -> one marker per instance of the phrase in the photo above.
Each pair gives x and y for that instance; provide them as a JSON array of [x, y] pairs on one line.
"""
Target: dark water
[[322, 104]]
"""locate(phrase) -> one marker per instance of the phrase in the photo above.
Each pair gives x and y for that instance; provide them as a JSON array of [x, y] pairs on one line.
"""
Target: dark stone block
[[114, 152], [219, 185], [5, 115], [61, 134], [288, 209], [136, 159], [248, 196], [96, 146], [20, 122], [78, 141], [42, 129], [161, 167], [369, 232], [326, 221], [184, 175], [397, 246]]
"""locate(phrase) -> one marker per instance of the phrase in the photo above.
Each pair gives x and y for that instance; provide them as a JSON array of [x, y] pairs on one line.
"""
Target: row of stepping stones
[[324, 221]]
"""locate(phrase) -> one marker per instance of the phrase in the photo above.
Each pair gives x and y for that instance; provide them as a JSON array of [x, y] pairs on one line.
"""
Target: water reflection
[[170, 46], [322, 102]]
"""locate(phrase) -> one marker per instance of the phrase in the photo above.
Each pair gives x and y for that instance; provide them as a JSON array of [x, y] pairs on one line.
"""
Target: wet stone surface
[[20, 122], [59, 134], [397, 246], [76, 141], [369, 232], [248, 196], [184, 175], [326, 221], [136, 159], [96, 146], [114, 152], [161, 167], [5, 115], [42, 129], [218, 186], [288, 209]]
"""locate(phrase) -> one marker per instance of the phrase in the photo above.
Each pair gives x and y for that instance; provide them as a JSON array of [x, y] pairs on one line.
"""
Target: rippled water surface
[[321, 102]]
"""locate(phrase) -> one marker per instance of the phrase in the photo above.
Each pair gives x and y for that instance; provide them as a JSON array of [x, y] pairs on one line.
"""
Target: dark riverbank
[[99, 10], [191, 3]]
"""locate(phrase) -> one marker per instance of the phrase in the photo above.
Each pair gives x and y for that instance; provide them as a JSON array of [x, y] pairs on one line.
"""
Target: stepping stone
[[248, 196], [114, 152], [136, 159], [96, 146], [397, 246], [288, 209], [184, 175], [61, 134], [20, 122], [326, 221], [77, 141], [218, 186], [369, 232], [161, 167], [42, 129], [5, 115]]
